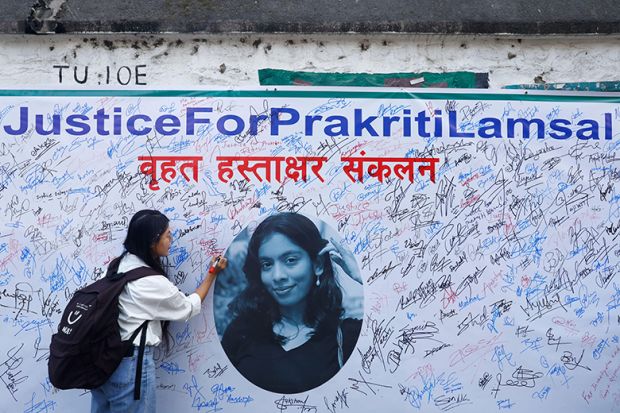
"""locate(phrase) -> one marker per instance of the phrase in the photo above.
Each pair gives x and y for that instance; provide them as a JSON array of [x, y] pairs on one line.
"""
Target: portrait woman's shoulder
[[236, 334], [351, 328]]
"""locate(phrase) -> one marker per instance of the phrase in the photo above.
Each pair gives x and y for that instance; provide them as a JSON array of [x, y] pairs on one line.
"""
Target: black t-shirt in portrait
[[266, 364]]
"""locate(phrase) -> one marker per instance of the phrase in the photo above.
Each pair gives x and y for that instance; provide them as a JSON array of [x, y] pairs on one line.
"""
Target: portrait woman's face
[[286, 270]]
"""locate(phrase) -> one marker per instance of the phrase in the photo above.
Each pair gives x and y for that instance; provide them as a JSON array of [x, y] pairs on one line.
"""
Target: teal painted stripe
[[607, 86], [615, 98]]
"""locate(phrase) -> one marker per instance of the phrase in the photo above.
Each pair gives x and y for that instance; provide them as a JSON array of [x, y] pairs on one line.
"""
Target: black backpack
[[88, 348]]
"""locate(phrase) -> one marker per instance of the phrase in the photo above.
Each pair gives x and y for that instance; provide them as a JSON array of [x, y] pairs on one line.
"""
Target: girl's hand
[[343, 258], [217, 264]]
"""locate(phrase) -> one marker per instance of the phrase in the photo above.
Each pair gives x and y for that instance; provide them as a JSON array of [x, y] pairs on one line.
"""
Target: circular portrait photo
[[289, 306]]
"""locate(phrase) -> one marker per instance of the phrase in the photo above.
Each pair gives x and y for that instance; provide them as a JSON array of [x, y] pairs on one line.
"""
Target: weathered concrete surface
[[13, 15], [234, 60], [316, 16]]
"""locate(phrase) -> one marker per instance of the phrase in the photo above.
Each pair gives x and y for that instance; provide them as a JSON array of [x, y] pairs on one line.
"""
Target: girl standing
[[153, 298]]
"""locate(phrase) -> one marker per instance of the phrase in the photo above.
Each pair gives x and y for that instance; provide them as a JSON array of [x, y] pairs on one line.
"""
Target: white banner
[[473, 238]]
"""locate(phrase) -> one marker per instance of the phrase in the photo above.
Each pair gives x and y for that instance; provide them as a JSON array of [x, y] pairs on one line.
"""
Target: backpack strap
[[138, 381], [137, 273], [133, 275]]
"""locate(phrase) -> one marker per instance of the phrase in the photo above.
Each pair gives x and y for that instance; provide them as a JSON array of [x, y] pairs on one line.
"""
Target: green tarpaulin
[[276, 77]]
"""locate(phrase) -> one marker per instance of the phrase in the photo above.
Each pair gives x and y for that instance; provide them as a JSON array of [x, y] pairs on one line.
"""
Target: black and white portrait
[[289, 307]]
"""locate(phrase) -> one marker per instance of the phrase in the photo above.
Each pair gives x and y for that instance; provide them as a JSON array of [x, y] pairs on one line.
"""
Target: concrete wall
[[171, 61]]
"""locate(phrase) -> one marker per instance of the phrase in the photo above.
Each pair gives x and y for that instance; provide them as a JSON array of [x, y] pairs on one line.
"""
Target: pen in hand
[[218, 265]]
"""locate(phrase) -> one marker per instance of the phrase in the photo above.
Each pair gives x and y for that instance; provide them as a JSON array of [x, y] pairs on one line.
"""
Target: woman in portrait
[[288, 334]]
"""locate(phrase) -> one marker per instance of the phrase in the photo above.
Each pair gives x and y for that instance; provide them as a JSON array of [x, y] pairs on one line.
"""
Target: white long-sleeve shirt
[[152, 298]]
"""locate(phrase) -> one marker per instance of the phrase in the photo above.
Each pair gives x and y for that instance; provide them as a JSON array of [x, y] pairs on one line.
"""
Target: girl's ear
[[319, 265]]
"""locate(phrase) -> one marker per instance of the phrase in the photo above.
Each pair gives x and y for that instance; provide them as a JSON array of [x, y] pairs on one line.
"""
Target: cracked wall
[[174, 61]]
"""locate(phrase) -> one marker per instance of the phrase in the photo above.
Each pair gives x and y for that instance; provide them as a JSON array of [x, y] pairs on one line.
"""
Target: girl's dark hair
[[145, 229], [256, 309]]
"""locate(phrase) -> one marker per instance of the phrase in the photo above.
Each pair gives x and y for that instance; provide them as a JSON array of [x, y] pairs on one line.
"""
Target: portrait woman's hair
[[257, 310]]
